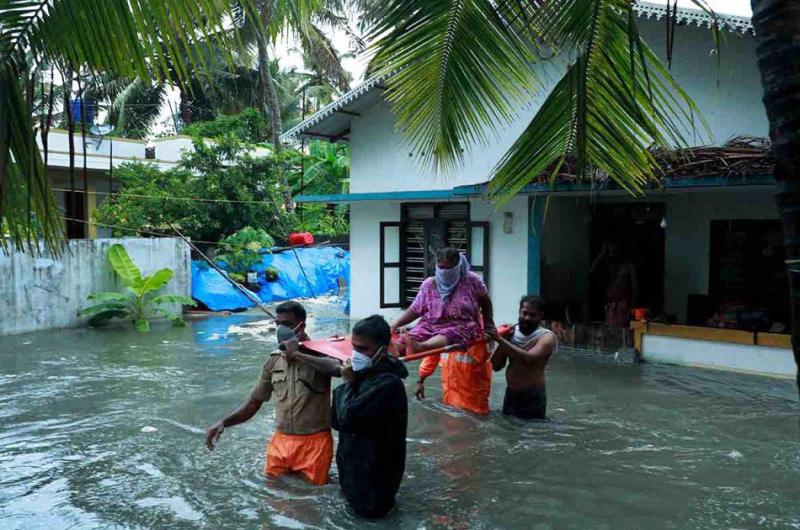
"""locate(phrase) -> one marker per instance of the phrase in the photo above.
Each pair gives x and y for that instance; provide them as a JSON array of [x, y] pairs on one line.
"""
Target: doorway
[[627, 254]]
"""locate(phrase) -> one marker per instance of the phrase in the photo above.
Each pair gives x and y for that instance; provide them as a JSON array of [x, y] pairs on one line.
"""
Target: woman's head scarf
[[447, 279]]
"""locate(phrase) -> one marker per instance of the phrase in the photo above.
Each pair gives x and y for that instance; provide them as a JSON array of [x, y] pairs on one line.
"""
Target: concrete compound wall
[[43, 292]]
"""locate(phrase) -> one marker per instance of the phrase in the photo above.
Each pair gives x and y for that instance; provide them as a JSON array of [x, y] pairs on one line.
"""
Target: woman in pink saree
[[453, 307]]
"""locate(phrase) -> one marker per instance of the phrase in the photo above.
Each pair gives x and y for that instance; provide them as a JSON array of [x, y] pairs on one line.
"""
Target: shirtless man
[[527, 353]]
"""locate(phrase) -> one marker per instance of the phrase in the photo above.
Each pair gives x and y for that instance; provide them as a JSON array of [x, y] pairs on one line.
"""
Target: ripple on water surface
[[105, 429]]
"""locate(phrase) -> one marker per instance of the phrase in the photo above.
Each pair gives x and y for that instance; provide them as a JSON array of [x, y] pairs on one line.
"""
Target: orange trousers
[[466, 377], [308, 454]]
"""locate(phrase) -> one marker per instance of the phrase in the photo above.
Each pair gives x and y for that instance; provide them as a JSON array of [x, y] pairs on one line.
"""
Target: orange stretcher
[[340, 347], [466, 375]]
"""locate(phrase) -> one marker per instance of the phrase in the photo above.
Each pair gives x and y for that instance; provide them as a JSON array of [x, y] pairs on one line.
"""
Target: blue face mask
[[284, 333]]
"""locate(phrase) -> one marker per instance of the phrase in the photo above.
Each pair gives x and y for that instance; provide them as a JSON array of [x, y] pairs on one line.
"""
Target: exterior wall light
[[508, 222]]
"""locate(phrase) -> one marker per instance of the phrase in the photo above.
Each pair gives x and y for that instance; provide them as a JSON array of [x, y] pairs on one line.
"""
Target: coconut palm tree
[[777, 26], [461, 68], [276, 18], [130, 38]]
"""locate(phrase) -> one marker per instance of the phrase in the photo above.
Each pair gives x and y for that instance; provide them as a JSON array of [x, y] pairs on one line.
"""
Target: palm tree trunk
[[270, 105], [777, 27]]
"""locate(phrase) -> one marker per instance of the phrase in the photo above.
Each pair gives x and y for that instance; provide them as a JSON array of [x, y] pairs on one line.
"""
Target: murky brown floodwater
[[627, 447]]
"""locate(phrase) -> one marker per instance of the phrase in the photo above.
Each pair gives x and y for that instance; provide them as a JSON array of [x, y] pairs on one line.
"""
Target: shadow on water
[[105, 428]]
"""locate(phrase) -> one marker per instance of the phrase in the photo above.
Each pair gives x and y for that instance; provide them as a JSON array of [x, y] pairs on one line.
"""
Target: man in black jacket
[[370, 412]]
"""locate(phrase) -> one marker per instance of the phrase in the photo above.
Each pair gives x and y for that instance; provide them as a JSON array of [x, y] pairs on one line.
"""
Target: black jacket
[[371, 415]]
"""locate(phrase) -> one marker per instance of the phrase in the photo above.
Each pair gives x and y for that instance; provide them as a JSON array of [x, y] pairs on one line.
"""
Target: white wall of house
[[168, 150], [98, 150], [733, 107], [365, 219], [688, 237], [46, 292], [383, 162], [508, 255]]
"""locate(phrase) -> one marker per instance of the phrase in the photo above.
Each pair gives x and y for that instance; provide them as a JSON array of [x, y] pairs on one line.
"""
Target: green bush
[[242, 250], [249, 126]]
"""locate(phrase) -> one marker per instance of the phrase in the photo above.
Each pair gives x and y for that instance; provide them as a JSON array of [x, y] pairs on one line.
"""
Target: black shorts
[[528, 404]]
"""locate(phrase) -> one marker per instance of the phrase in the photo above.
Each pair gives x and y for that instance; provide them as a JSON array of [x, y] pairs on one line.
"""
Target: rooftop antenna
[[101, 131]]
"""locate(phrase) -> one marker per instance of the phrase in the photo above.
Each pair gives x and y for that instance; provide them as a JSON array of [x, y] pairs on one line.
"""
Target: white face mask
[[360, 361]]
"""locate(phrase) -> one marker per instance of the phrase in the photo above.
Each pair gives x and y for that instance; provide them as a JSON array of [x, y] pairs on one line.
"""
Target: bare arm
[[243, 413], [499, 358], [538, 354], [487, 311], [240, 415], [407, 317], [246, 410]]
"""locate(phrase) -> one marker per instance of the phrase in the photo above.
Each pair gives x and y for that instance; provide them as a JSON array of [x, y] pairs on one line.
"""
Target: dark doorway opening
[[75, 208], [747, 269], [627, 258]]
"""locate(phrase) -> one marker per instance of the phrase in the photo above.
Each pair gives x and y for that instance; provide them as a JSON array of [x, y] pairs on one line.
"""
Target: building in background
[[104, 154]]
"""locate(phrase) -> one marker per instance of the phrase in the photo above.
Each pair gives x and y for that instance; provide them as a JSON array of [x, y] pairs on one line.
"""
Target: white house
[[695, 242]]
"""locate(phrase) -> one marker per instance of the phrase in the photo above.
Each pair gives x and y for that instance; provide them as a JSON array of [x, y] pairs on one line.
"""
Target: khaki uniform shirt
[[302, 395]]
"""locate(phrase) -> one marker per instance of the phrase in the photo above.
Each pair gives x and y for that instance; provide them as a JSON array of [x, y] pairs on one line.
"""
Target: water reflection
[[627, 447]]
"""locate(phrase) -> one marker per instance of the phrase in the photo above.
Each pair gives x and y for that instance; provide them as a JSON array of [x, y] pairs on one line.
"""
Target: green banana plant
[[139, 303]]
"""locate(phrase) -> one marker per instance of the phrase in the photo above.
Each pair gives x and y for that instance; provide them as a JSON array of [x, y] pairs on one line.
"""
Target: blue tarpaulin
[[210, 288], [323, 266]]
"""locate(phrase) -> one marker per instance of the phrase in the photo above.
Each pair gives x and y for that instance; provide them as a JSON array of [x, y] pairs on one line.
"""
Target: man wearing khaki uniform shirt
[[301, 387]]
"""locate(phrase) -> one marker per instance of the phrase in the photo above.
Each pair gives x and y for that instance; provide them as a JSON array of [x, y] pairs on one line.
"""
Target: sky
[[727, 7]]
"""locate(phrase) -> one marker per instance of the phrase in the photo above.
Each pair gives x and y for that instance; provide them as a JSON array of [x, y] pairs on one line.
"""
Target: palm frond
[[325, 58], [615, 101], [130, 38], [460, 70], [23, 183], [138, 105]]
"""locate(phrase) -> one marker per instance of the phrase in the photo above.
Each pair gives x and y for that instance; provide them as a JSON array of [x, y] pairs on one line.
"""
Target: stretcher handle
[[504, 330]]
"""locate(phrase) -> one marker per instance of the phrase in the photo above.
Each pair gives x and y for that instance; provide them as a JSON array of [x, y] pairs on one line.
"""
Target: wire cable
[[166, 198]]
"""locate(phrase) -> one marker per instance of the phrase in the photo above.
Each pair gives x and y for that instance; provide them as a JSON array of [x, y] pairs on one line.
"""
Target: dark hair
[[294, 308], [449, 254], [374, 328], [531, 299]]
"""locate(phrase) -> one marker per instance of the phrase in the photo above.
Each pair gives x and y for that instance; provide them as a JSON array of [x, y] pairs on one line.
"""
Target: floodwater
[[105, 429]]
